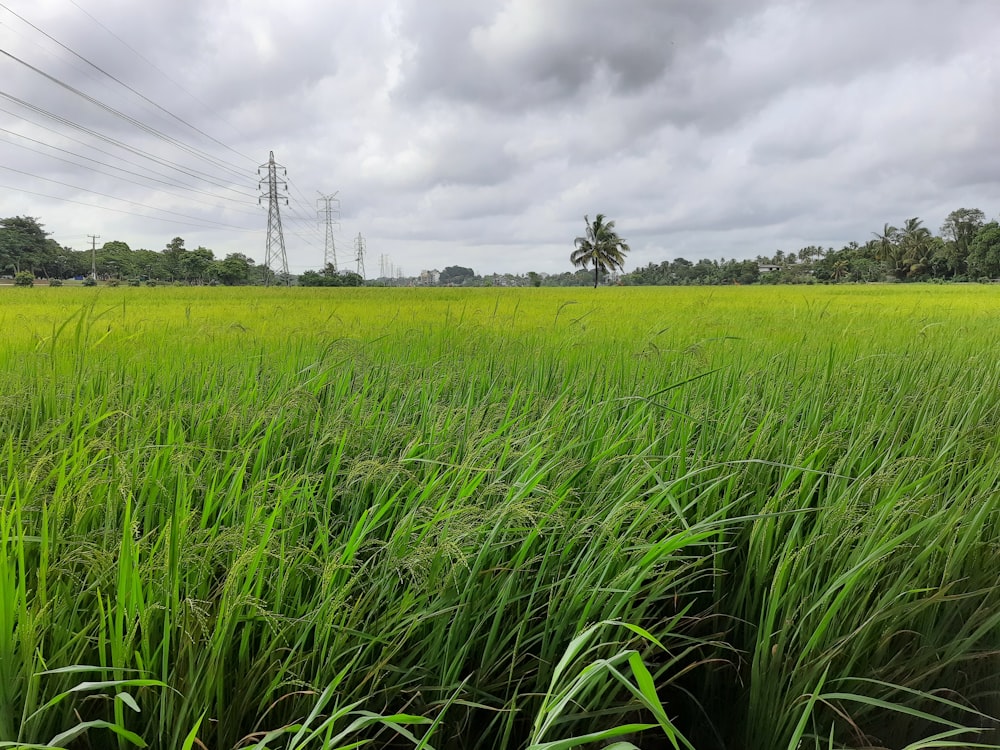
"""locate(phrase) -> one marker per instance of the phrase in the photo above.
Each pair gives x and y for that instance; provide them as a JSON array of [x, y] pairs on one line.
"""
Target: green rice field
[[741, 518]]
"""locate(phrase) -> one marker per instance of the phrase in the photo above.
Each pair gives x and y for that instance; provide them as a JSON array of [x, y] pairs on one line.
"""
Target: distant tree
[[22, 244], [839, 269], [64, 262], [312, 278], [651, 274], [456, 275], [330, 276], [197, 263], [148, 264], [534, 279], [600, 246], [807, 254], [740, 272], [888, 251], [173, 258], [916, 248], [984, 252], [115, 259], [958, 231], [235, 269]]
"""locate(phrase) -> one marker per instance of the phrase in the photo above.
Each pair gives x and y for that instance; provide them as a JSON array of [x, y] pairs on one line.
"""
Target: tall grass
[[309, 518]]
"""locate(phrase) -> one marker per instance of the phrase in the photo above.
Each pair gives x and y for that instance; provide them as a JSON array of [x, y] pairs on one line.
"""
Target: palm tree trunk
[[596, 267]]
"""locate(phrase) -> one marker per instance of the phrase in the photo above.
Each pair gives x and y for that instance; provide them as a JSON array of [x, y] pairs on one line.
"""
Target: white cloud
[[480, 133]]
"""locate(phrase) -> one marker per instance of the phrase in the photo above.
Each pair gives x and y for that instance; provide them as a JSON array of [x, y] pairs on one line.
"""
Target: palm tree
[[840, 269], [601, 246], [916, 245], [888, 250]]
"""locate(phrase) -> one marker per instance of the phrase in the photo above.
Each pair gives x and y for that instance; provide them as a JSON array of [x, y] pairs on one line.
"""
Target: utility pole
[[275, 237], [93, 254], [328, 212], [359, 254]]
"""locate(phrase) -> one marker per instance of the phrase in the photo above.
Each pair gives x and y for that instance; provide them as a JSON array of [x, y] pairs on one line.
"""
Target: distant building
[[429, 278], [768, 269]]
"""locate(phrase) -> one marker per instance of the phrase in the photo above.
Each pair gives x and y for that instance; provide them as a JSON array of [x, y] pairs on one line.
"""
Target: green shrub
[[55, 282], [24, 278], [113, 282], [90, 281]]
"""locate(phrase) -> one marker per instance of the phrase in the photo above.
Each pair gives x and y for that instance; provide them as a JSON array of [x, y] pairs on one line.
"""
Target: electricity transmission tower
[[329, 212], [275, 237], [359, 254]]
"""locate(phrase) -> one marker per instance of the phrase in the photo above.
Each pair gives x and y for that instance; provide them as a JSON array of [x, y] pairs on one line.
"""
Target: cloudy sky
[[480, 132]]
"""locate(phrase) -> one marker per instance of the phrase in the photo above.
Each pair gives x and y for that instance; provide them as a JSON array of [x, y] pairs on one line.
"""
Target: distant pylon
[[328, 212], [359, 254], [275, 237]]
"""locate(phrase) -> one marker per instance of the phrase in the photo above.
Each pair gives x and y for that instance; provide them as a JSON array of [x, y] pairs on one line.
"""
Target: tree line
[[967, 248], [27, 251], [26, 248]]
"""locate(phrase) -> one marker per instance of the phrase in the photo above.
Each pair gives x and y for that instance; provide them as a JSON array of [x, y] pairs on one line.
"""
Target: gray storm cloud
[[452, 129]]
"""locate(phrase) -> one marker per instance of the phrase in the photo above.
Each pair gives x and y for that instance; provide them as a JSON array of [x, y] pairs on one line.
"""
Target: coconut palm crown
[[601, 246]]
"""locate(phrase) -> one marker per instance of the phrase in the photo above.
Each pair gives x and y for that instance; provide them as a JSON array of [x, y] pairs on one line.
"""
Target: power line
[[189, 171], [21, 190], [111, 166], [302, 197], [304, 224], [123, 200], [92, 147], [307, 225], [128, 118], [120, 82], [161, 72]]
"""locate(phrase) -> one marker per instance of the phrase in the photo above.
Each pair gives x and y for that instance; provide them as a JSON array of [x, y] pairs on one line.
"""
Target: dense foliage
[[26, 247], [330, 276], [968, 249], [245, 513]]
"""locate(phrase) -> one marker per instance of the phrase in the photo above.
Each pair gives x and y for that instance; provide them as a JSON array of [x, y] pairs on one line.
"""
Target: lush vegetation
[[330, 276], [967, 249], [26, 248], [714, 518]]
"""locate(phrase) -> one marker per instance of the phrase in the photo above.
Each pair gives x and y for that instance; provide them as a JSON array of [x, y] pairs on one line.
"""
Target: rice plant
[[499, 519]]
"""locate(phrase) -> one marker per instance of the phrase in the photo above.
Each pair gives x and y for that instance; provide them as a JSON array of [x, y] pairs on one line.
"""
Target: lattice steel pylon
[[275, 237], [328, 212], [359, 254]]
